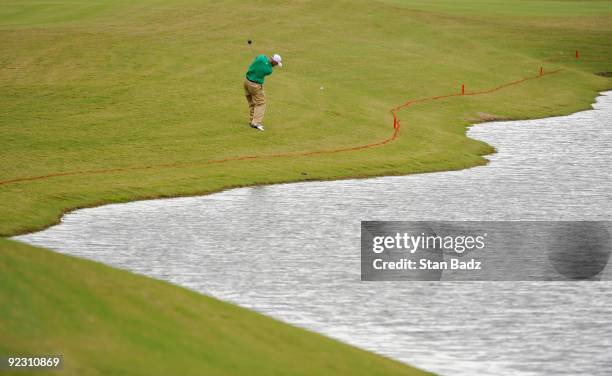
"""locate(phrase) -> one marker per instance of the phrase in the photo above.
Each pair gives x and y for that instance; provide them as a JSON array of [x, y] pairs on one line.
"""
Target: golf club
[[250, 42]]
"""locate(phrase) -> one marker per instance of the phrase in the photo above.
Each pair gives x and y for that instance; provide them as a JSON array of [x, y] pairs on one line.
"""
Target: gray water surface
[[292, 252]]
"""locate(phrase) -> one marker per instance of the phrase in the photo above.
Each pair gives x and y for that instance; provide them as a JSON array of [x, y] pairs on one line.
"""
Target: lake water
[[292, 251]]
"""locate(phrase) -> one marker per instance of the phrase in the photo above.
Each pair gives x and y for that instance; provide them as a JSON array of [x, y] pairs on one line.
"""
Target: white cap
[[278, 59]]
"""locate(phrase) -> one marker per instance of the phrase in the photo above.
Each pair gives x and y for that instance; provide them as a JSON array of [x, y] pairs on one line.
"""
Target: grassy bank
[[113, 85], [110, 322]]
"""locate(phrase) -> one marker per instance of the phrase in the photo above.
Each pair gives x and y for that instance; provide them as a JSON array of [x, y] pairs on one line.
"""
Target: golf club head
[[250, 42]]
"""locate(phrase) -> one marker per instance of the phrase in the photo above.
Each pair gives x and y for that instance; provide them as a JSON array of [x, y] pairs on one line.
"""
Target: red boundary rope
[[396, 130]]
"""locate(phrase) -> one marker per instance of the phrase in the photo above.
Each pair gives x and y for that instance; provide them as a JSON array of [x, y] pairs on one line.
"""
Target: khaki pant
[[256, 97]]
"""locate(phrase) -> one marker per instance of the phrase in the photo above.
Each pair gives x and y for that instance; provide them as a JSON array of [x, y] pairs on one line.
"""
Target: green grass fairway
[[90, 85], [122, 84]]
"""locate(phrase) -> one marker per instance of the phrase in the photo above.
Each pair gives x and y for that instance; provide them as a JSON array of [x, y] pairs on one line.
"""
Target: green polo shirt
[[259, 69]]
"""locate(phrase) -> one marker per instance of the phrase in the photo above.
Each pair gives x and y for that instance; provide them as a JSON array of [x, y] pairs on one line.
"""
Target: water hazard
[[292, 252]]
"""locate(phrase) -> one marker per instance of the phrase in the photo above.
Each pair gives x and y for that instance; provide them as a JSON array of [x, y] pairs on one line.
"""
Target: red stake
[[577, 54], [462, 89], [541, 71]]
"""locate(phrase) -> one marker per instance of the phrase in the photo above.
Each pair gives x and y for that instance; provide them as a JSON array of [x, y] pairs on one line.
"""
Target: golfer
[[253, 87]]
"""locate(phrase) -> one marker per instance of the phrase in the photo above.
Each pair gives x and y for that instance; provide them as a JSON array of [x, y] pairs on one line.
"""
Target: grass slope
[[110, 322], [113, 84], [89, 85]]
